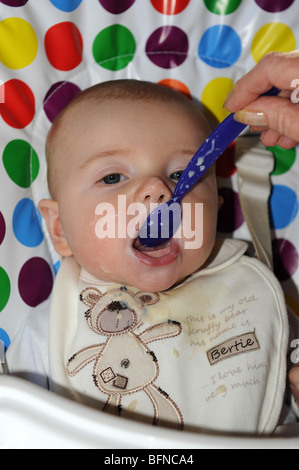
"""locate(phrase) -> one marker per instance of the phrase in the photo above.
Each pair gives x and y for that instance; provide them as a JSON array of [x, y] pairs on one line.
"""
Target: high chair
[[52, 49]]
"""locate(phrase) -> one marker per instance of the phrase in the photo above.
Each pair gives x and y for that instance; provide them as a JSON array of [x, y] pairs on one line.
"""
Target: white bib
[[209, 353]]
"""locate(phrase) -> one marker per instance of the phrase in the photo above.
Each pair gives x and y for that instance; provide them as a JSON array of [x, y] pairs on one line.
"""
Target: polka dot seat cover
[[51, 49]]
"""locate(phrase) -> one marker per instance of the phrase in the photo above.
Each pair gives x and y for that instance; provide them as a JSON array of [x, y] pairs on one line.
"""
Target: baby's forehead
[[93, 110], [84, 102]]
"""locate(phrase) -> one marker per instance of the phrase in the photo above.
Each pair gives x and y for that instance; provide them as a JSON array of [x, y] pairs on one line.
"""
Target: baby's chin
[[156, 281], [159, 280]]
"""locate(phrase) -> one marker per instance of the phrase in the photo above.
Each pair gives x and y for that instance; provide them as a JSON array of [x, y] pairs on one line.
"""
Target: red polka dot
[[18, 107], [225, 166], [169, 7], [64, 46]]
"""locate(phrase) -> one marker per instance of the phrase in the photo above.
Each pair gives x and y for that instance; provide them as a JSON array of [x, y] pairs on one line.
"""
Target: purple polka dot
[[2, 228], [35, 281], [230, 216], [274, 6], [14, 3], [58, 97], [115, 6], [285, 257], [167, 47]]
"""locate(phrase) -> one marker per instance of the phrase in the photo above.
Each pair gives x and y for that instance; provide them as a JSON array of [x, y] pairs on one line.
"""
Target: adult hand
[[276, 117]]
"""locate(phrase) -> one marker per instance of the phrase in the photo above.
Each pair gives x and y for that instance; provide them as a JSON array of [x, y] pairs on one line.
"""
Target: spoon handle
[[207, 154], [204, 158], [219, 140]]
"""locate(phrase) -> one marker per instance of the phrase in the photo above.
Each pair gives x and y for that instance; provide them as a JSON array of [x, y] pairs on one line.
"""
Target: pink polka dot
[[115, 6], [18, 108], [58, 97], [274, 6], [35, 281], [14, 3], [286, 258], [64, 46], [167, 47], [230, 216], [2, 228]]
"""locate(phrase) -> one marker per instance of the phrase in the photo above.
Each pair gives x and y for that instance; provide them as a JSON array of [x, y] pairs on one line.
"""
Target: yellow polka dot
[[276, 37], [214, 96], [19, 43]]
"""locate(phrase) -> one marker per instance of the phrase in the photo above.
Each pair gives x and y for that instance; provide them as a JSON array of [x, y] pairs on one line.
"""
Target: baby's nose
[[153, 191]]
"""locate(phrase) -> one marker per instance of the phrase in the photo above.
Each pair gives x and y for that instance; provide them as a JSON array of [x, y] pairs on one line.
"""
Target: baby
[[191, 334]]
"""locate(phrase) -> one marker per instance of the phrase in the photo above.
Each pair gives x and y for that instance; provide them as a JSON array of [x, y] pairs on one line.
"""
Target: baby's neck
[[90, 278]]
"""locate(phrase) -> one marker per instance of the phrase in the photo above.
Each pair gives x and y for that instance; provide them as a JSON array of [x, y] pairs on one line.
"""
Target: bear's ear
[[90, 296], [148, 298]]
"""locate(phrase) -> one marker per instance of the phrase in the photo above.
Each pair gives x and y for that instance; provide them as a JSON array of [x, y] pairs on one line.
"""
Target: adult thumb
[[277, 114]]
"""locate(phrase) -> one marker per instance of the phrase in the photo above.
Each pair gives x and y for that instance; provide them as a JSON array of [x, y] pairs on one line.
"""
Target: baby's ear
[[50, 212]]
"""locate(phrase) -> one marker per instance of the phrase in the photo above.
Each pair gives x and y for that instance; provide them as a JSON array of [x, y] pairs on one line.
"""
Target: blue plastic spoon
[[163, 222]]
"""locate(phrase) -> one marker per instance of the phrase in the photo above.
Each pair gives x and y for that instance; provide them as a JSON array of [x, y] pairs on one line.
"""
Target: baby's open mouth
[[159, 256], [153, 252]]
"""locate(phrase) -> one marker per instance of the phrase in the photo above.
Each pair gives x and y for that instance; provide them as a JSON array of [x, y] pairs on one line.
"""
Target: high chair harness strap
[[255, 164]]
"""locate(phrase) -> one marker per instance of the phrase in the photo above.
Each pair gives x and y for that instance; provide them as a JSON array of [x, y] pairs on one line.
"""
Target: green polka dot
[[114, 47], [21, 163], [222, 7], [284, 159], [4, 289]]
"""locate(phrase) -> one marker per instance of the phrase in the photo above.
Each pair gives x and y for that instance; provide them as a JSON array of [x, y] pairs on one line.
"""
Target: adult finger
[[274, 69], [271, 139], [278, 114]]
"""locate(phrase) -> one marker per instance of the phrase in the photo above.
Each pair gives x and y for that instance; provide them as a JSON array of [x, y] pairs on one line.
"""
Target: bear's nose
[[125, 363]]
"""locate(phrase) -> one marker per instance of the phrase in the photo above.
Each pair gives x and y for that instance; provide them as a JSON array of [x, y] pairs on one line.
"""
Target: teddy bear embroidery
[[124, 363]]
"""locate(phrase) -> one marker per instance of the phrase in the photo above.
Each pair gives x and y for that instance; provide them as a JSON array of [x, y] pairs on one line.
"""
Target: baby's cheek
[[107, 257]]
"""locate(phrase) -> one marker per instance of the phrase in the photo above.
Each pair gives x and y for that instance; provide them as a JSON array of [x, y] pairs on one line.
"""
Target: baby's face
[[120, 153]]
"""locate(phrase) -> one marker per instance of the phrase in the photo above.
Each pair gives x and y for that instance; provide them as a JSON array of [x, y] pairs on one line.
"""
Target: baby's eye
[[176, 175], [113, 178]]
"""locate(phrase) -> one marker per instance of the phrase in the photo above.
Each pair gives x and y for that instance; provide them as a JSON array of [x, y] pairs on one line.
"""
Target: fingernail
[[251, 118]]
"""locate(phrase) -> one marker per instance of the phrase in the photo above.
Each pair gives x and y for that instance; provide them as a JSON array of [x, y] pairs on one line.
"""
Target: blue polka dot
[[26, 224], [284, 206], [220, 47], [5, 339], [66, 5], [56, 267]]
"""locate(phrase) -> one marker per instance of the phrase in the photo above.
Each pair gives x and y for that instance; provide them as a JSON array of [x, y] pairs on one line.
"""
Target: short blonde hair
[[126, 89]]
